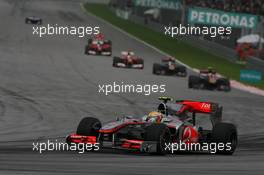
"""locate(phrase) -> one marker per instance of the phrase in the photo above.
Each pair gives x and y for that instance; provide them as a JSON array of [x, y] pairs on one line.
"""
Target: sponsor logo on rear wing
[[201, 107]]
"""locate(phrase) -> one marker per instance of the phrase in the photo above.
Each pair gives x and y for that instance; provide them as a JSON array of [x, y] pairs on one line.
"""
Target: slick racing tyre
[[160, 134], [89, 126], [141, 61], [182, 71], [193, 81], [86, 50], [116, 60], [225, 133], [90, 41], [223, 84], [155, 68], [158, 69]]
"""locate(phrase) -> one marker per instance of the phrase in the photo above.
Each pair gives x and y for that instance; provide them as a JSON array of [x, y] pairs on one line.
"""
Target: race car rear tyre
[[116, 60], [108, 42], [110, 50], [141, 61], [90, 41], [193, 81], [160, 134], [86, 50], [225, 133], [182, 71], [156, 69], [89, 126]]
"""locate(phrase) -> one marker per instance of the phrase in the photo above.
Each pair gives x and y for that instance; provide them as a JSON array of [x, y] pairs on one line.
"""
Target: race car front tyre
[[193, 81], [89, 126], [225, 134], [160, 134], [223, 84]]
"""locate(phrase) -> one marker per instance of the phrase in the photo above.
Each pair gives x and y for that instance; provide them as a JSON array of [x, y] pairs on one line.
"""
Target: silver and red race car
[[128, 60], [170, 124], [99, 46]]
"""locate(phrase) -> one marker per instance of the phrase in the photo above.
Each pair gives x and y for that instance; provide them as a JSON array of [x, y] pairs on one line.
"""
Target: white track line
[[234, 83]]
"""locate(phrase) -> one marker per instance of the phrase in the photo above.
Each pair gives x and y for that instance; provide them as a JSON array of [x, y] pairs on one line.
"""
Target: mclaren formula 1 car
[[208, 79], [128, 60], [171, 123], [33, 20], [169, 67], [99, 46]]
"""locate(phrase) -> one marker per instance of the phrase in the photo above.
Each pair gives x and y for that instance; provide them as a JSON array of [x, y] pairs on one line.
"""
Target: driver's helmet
[[210, 70], [162, 108], [154, 117]]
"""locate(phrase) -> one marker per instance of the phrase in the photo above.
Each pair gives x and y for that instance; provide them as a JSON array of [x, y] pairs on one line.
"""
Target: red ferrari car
[[99, 46], [128, 60], [170, 124]]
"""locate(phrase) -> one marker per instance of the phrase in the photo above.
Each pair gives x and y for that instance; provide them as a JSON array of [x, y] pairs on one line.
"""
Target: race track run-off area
[[48, 84]]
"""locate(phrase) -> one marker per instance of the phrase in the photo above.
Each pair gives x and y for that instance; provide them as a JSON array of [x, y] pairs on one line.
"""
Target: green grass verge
[[182, 51]]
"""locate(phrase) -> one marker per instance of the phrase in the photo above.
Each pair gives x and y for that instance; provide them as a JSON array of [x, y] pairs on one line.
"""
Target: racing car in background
[[99, 46], [169, 67], [128, 60], [33, 20], [172, 122], [208, 79]]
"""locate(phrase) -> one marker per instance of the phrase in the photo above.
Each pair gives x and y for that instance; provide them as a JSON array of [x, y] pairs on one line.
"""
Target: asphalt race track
[[47, 85]]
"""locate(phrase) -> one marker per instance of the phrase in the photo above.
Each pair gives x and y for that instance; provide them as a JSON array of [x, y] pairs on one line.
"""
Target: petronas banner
[[221, 18], [165, 4]]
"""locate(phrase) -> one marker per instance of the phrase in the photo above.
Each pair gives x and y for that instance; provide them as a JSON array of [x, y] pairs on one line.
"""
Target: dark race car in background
[[169, 67], [33, 20], [128, 60], [99, 46], [209, 79], [176, 123]]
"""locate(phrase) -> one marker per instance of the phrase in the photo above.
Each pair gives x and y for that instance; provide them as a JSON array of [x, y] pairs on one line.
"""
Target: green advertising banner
[[206, 16], [166, 4], [252, 76]]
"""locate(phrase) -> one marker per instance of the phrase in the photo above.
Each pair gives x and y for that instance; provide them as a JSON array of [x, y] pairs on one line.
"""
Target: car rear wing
[[199, 107], [168, 59], [124, 53], [214, 109]]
